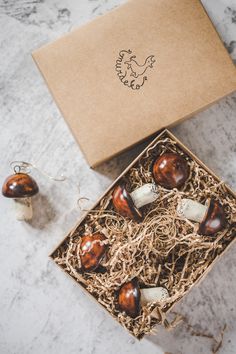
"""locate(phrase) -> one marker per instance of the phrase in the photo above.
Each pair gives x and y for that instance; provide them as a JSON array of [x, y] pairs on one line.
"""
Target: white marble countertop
[[42, 310]]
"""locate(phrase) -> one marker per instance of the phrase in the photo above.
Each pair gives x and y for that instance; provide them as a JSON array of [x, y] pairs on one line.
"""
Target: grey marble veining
[[42, 310]]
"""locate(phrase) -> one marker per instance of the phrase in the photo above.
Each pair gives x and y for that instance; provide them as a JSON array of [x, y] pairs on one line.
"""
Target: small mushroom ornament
[[170, 170], [211, 216], [91, 251], [131, 298], [21, 187], [129, 204]]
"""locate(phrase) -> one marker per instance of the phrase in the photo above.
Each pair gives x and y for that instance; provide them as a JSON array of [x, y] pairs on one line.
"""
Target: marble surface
[[42, 310]]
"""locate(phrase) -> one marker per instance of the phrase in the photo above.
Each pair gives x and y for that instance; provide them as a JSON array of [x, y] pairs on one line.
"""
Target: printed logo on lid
[[133, 72]]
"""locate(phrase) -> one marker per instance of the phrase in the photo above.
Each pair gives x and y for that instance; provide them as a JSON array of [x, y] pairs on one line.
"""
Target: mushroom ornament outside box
[[152, 236], [21, 188]]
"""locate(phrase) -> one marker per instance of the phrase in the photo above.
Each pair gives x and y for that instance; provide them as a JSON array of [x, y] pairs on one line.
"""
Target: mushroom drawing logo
[[130, 72]]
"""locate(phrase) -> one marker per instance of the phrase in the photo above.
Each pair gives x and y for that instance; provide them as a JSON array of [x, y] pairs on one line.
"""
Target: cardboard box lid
[[127, 74]]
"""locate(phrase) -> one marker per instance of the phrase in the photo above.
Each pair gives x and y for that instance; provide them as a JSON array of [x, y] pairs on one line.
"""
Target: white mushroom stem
[[153, 295], [144, 195], [23, 209], [191, 210]]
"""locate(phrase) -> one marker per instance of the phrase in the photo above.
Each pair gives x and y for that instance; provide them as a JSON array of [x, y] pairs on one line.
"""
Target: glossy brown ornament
[[214, 220], [19, 185], [124, 204], [129, 298], [91, 251], [170, 170]]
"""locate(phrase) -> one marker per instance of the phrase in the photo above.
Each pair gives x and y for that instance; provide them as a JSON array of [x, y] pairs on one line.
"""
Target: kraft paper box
[[144, 66], [171, 254]]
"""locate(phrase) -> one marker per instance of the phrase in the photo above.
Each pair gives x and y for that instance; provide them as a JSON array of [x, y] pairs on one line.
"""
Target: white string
[[26, 167]]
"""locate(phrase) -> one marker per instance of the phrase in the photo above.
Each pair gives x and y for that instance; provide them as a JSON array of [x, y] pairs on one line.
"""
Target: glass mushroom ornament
[[129, 204], [21, 187], [169, 171], [131, 298], [91, 251], [211, 216]]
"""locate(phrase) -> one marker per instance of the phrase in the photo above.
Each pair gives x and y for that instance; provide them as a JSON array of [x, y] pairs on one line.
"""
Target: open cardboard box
[[145, 66], [170, 254]]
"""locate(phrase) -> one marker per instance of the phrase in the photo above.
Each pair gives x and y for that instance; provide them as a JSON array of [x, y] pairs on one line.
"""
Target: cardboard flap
[[144, 66]]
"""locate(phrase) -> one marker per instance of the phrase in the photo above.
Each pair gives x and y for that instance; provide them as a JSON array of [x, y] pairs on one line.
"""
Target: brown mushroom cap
[[92, 251], [129, 298], [170, 170], [124, 204], [19, 185], [214, 219]]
